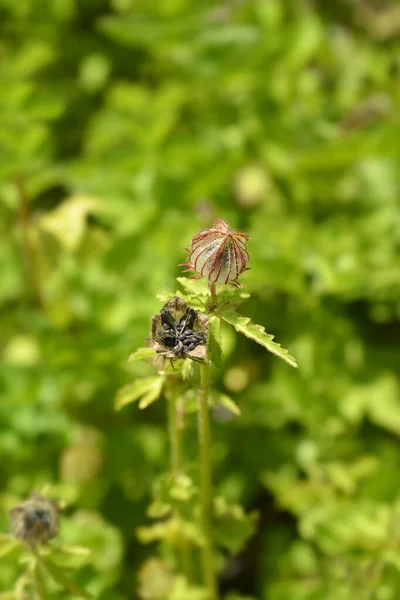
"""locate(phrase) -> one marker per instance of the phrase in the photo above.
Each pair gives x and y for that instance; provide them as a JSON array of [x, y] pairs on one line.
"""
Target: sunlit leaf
[[146, 390], [142, 354], [258, 334]]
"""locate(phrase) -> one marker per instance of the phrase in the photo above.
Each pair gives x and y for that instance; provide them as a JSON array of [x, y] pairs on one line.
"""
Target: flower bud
[[36, 520], [218, 254]]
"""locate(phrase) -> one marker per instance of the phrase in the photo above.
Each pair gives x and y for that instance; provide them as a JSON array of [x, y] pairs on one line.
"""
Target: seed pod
[[172, 343], [36, 520], [218, 254]]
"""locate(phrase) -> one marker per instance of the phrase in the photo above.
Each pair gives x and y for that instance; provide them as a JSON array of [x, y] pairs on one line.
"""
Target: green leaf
[[142, 354], [182, 589], [40, 583], [234, 526], [214, 340], [8, 544], [58, 574], [258, 334], [198, 287], [224, 400], [165, 295], [171, 531], [155, 579], [191, 300], [147, 390], [68, 222], [74, 550]]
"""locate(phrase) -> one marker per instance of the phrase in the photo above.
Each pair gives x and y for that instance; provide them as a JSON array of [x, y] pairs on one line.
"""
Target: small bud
[[218, 254], [36, 520], [179, 331]]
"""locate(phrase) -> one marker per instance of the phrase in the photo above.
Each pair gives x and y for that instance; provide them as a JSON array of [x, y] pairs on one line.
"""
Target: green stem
[[175, 437], [213, 293], [38, 578], [206, 483]]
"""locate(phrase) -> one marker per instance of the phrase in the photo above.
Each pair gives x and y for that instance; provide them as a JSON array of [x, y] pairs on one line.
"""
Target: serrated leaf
[[147, 390], [196, 286], [165, 296], [258, 334], [227, 402], [58, 574], [214, 340], [191, 300], [142, 354]]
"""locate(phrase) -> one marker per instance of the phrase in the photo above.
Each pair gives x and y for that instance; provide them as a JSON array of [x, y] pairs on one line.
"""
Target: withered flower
[[179, 331], [218, 254], [36, 520]]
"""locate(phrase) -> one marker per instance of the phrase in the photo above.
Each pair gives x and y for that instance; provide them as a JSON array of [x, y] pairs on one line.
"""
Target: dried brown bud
[[36, 520], [179, 331], [218, 254]]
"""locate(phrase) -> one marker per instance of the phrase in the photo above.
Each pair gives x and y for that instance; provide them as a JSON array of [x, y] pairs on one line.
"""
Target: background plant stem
[[206, 483], [174, 433], [29, 250], [175, 438]]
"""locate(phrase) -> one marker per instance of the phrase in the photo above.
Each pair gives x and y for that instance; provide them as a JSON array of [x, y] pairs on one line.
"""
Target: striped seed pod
[[218, 254]]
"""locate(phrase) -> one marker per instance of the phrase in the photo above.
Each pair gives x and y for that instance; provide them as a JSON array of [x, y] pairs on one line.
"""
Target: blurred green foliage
[[125, 127]]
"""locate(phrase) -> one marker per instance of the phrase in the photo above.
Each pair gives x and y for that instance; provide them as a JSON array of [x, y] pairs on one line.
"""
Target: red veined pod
[[218, 254]]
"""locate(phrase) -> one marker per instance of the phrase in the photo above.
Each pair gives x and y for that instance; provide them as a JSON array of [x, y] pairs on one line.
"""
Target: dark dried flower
[[179, 331], [218, 254], [36, 520]]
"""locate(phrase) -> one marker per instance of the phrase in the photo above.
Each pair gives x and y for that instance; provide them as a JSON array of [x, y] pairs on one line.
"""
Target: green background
[[126, 126]]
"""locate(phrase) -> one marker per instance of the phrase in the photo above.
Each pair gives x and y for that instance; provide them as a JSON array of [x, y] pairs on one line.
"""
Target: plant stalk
[[213, 293], [209, 575]]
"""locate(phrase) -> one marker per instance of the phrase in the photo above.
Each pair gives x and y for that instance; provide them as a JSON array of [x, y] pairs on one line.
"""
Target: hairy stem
[[209, 575], [213, 294]]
